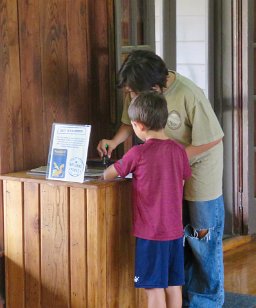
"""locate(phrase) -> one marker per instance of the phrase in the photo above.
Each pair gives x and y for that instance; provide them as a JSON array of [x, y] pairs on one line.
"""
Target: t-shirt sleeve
[[205, 125], [128, 163], [125, 117]]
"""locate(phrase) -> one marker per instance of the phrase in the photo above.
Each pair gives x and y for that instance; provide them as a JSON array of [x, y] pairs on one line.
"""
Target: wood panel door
[[234, 98]]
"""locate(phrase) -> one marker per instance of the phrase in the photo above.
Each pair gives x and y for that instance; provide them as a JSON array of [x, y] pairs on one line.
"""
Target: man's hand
[[105, 147], [196, 150]]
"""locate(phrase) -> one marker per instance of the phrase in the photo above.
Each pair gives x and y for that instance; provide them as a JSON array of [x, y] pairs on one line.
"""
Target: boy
[[159, 167]]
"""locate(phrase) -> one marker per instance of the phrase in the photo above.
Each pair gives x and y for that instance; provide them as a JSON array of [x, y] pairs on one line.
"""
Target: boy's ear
[[140, 125]]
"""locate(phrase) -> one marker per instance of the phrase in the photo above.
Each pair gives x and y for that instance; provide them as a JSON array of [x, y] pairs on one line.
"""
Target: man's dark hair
[[142, 70], [150, 109]]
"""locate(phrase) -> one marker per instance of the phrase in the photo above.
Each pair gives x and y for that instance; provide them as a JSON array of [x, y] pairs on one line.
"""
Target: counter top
[[23, 176]]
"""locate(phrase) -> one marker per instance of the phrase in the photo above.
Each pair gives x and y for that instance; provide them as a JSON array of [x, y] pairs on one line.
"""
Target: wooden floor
[[240, 266], [240, 269]]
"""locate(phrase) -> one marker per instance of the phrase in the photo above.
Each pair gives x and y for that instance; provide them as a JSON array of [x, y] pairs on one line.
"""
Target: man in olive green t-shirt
[[193, 123]]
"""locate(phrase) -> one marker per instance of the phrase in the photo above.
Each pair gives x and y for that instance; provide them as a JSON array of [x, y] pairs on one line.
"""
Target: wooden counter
[[68, 244]]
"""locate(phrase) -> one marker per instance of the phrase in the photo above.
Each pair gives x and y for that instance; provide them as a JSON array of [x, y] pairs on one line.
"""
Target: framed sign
[[68, 152]]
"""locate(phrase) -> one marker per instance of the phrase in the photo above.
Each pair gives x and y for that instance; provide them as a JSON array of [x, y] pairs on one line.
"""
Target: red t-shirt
[[159, 168]]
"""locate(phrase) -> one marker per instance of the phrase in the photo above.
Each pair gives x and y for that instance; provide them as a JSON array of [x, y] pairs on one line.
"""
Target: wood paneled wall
[[56, 65]]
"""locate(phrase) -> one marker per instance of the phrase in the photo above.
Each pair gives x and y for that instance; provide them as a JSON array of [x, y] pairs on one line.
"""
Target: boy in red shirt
[[159, 167]]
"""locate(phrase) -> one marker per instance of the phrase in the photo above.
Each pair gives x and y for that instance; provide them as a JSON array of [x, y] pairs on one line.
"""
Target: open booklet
[[89, 172]]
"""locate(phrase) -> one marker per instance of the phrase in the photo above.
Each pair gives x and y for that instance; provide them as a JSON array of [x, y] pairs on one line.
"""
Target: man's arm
[[122, 134], [192, 150]]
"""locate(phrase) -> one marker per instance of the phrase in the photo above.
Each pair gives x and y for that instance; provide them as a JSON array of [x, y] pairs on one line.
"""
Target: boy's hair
[[142, 70], [150, 109]]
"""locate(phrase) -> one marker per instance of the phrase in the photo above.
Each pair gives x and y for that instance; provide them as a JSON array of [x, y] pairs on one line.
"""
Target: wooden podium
[[68, 244]]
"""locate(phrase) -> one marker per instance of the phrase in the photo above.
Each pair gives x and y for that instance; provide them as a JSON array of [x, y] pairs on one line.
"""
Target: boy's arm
[[192, 150], [110, 173], [122, 134]]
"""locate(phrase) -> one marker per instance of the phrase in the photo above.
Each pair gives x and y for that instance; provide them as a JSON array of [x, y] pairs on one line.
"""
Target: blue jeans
[[204, 271]]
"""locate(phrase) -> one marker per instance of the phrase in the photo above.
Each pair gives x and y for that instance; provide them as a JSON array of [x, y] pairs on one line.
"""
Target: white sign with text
[[68, 152]]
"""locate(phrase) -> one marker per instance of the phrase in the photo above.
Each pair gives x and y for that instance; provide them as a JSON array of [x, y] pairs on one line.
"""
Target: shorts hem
[[158, 286], [150, 287]]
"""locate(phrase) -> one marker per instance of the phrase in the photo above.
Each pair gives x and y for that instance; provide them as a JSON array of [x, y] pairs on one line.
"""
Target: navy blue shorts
[[159, 264]]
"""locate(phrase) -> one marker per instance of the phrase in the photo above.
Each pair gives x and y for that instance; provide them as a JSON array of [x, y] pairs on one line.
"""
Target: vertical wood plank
[[10, 136], [114, 115], [1, 217], [112, 221], [31, 91], [14, 263], [141, 299], [55, 289], [54, 63], [78, 61], [78, 249], [32, 244], [126, 243], [2, 278], [14, 100], [98, 38], [96, 248], [10, 116]]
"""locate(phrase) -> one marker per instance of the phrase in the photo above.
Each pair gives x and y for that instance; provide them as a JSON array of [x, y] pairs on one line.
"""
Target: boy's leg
[[159, 266], [156, 298], [173, 297]]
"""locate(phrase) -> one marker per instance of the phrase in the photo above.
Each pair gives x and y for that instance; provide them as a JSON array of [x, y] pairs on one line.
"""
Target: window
[[192, 41], [178, 31]]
